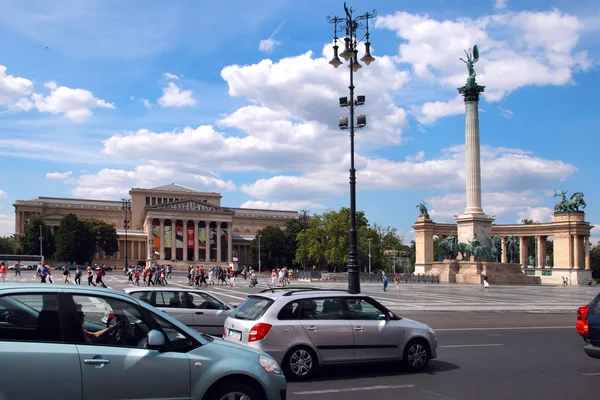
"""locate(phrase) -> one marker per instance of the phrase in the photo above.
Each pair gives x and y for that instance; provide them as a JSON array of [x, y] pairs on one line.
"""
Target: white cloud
[[517, 49], [168, 75], [536, 214], [430, 112], [147, 103], [59, 175], [500, 4], [115, 183], [595, 235], [267, 45], [13, 91], [508, 114], [282, 205], [2, 194], [173, 96], [7, 225], [75, 104]]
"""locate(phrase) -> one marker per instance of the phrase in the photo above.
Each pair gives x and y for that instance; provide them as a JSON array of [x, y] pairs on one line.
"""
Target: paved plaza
[[411, 298]]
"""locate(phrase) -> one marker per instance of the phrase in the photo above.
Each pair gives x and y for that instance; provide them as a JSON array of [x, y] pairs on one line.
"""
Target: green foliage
[[78, 240], [7, 245], [595, 261], [99, 236], [29, 242], [277, 248]]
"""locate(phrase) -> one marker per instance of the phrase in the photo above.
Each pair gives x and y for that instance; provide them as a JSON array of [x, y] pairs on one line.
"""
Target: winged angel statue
[[472, 58]]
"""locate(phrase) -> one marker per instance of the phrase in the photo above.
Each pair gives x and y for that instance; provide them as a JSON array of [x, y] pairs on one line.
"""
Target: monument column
[[586, 248], [541, 251], [229, 243], [577, 251], [150, 239], [207, 240], [218, 241], [162, 239], [173, 239], [196, 249], [523, 251], [184, 240], [504, 256]]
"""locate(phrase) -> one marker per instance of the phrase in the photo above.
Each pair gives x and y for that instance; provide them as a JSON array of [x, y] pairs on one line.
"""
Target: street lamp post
[[126, 206], [41, 241], [259, 254], [305, 226], [370, 255], [350, 25]]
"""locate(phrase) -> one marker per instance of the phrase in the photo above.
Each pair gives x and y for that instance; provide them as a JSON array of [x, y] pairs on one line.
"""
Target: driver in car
[[93, 337]]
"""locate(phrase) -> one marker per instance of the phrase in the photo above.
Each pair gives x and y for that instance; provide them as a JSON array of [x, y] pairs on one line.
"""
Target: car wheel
[[232, 391], [416, 355], [300, 363]]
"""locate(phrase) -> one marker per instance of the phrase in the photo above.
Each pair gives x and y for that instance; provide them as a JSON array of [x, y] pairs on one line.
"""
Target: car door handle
[[359, 329], [312, 328], [199, 313], [96, 361]]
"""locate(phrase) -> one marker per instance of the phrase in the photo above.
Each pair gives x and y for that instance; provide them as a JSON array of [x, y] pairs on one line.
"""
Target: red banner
[[190, 237]]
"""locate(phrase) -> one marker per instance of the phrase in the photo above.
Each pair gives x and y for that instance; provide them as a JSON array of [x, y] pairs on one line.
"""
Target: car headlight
[[269, 365], [431, 330]]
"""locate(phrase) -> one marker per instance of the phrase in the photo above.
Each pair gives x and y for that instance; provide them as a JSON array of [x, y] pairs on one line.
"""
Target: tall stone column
[[541, 251], [184, 239], [219, 241], [424, 245], [586, 248], [196, 248], [162, 239], [173, 239], [473, 222], [149, 238], [577, 251], [229, 243], [523, 251], [207, 241], [504, 257]]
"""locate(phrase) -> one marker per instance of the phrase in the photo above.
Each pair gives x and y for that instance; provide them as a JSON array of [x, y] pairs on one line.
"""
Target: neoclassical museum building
[[168, 223]]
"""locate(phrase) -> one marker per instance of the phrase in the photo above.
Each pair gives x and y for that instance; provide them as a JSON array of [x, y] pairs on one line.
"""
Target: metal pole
[[41, 240], [259, 254], [370, 256], [394, 263]]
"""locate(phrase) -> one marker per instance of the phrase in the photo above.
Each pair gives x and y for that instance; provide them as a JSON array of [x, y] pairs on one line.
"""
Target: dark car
[[61, 267], [591, 329]]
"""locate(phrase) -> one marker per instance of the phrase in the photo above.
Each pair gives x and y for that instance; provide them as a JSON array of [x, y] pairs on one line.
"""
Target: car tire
[[300, 363], [416, 355], [238, 390]]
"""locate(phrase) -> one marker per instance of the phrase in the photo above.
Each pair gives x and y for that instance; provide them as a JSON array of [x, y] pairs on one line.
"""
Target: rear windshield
[[252, 309]]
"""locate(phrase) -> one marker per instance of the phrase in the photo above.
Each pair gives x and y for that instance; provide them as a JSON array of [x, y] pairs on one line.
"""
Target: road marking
[[456, 346], [504, 328], [591, 373], [357, 389], [437, 395]]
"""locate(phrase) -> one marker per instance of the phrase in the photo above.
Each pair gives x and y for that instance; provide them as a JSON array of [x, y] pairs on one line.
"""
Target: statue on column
[[472, 58], [423, 210], [496, 249], [531, 261], [512, 249], [572, 204]]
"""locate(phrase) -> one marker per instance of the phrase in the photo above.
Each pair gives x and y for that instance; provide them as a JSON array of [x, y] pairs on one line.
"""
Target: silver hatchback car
[[305, 328], [71, 342]]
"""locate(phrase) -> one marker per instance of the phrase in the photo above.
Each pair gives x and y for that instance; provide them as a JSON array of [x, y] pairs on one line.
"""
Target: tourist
[[273, 277], [90, 276], [485, 281], [18, 269], [78, 275], [384, 279], [66, 273], [3, 271], [397, 281]]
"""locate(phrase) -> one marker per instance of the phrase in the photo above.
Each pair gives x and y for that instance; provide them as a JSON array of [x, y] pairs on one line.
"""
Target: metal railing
[[343, 277]]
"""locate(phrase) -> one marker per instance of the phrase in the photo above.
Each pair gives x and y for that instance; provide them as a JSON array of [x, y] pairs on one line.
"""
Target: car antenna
[[267, 282]]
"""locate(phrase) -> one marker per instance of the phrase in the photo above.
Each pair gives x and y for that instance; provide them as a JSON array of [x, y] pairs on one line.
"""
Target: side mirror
[[390, 315], [155, 339]]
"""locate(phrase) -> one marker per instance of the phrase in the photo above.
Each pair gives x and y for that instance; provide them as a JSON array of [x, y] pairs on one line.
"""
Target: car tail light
[[586, 329], [579, 314], [258, 332], [224, 333]]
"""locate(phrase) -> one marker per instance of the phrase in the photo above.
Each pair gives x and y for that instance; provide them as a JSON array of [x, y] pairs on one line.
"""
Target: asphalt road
[[481, 356]]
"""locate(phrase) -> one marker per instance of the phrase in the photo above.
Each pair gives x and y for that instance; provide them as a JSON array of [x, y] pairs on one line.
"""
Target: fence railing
[[343, 277]]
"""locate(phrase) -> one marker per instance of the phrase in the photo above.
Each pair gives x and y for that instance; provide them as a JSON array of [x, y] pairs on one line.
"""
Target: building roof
[[173, 187], [66, 202]]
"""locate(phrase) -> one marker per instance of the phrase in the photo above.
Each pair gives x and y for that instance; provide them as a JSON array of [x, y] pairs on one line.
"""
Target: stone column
[[229, 243], [586, 249], [173, 239], [162, 239], [149, 238], [541, 251], [577, 251], [219, 241], [424, 245], [207, 244], [504, 256], [472, 157], [196, 248], [184, 238], [523, 251]]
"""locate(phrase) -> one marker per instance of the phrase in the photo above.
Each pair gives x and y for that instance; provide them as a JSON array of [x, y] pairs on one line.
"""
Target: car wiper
[[207, 337]]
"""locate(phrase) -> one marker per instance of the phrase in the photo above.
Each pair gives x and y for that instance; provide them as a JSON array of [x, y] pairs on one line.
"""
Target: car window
[[30, 318], [329, 308], [289, 311], [203, 301], [143, 296], [170, 299], [363, 309], [179, 340], [107, 321], [252, 308], [595, 306]]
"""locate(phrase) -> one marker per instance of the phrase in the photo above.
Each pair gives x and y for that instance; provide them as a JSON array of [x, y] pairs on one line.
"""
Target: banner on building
[[190, 237], [202, 237], [168, 236], [213, 238], [179, 237], [156, 236]]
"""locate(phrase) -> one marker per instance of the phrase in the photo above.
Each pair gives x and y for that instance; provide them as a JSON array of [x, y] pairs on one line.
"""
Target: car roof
[[162, 289], [304, 293], [54, 288]]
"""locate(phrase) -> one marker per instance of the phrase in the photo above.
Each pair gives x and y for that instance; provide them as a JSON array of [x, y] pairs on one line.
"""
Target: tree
[[7, 245], [595, 261], [29, 241], [275, 248], [99, 236], [72, 240]]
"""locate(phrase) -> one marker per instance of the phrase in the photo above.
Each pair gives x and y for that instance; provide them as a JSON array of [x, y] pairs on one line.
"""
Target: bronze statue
[[472, 58], [423, 210], [572, 204]]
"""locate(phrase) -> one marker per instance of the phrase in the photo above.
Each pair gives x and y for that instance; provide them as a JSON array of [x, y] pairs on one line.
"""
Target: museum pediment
[[190, 205]]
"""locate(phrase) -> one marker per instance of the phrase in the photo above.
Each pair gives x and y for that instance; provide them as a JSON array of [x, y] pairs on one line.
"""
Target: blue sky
[[100, 96]]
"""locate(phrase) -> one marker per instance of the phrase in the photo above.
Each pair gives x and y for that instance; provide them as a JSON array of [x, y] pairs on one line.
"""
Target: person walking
[[384, 279], [78, 275], [66, 273], [3, 271], [18, 269], [90, 276], [48, 274], [397, 281], [99, 280]]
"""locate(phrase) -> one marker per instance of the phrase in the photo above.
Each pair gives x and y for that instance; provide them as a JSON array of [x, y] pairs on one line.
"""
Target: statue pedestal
[[470, 225], [423, 244]]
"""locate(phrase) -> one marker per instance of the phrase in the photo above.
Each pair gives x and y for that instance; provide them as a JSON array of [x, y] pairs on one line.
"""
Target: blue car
[[73, 342], [591, 329]]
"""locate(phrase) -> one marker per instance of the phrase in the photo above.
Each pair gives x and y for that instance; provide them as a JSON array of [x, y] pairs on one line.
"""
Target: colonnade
[[577, 252]]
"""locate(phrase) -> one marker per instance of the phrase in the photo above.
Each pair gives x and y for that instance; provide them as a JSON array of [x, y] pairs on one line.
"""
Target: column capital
[[471, 91]]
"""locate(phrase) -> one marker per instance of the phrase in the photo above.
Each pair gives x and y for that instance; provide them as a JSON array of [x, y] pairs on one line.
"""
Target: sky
[[237, 97]]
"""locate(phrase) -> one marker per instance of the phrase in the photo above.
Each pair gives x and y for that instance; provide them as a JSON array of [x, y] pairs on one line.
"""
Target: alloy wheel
[[301, 362], [417, 355], [236, 396]]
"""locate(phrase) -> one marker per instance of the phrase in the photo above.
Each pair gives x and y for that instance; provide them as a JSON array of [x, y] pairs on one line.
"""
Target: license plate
[[234, 335]]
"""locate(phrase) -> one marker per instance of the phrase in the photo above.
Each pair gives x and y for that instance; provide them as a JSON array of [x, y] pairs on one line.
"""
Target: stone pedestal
[[472, 273], [469, 225], [424, 245]]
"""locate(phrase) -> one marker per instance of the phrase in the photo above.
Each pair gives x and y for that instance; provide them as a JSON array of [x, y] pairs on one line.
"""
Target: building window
[[147, 201]]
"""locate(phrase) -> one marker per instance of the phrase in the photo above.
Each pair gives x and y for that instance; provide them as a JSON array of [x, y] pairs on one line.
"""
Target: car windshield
[[252, 309]]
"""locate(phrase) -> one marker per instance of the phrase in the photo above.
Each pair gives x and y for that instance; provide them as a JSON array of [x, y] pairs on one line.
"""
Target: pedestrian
[[150, 273], [211, 274], [66, 273], [3, 271], [78, 275], [90, 276], [232, 278], [18, 269], [44, 273], [99, 277], [485, 281], [273, 277], [384, 279], [137, 277], [397, 281], [169, 271], [48, 274]]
